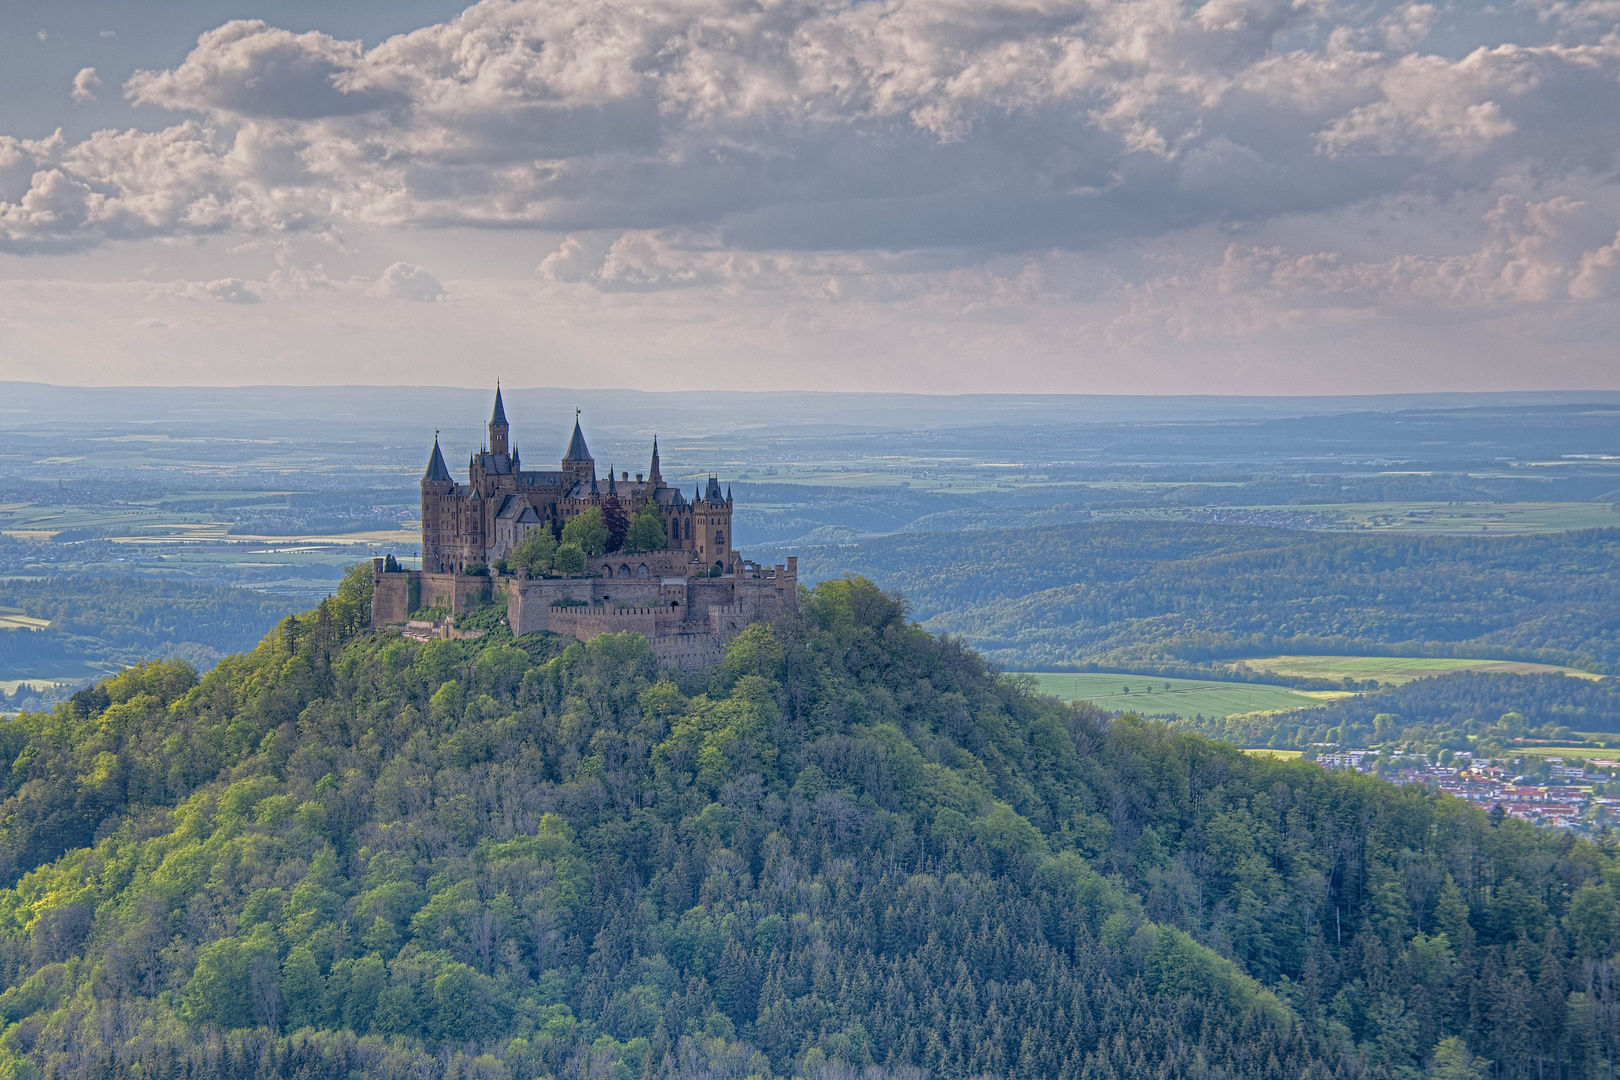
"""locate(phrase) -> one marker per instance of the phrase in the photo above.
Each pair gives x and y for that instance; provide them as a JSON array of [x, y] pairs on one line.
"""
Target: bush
[[570, 559]]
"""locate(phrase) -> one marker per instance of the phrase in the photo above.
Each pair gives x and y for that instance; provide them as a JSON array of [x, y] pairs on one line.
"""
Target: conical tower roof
[[498, 418], [577, 450], [613, 488], [653, 474], [436, 470]]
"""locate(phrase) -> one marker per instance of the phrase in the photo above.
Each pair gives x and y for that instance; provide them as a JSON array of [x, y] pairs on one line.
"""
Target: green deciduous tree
[[587, 531], [535, 551], [646, 530]]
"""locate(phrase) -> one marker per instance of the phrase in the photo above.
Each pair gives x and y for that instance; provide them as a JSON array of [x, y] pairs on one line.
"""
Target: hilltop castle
[[688, 598]]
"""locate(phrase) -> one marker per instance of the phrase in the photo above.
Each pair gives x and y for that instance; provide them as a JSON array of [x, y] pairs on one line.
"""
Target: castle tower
[[438, 510], [711, 526], [498, 427], [577, 464]]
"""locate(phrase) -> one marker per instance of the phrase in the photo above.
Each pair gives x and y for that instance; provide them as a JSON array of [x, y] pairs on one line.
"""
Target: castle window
[[719, 539], [607, 571], [688, 528], [642, 571], [624, 570]]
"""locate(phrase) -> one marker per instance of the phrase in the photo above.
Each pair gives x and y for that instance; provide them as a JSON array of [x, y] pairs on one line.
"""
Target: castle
[[688, 598]]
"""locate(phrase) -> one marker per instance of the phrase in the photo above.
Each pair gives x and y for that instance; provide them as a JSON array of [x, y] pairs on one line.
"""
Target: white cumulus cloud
[[84, 85], [407, 281]]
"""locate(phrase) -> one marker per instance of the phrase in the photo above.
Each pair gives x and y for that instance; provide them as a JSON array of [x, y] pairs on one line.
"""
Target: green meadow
[[1155, 696], [1388, 670]]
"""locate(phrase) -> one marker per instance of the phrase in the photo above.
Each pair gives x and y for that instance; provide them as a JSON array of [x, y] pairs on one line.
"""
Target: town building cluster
[[1569, 802]]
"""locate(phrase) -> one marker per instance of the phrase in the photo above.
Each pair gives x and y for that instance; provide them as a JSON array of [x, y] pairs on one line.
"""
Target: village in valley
[[1576, 793]]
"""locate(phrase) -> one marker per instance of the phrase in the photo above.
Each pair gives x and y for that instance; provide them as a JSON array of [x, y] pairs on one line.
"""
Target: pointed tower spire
[[654, 477], [498, 427], [577, 464], [436, 470], [593, 482], [577, 450], [613, 488]]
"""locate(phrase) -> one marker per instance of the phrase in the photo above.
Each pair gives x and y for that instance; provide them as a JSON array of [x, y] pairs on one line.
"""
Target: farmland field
[[1389, 670], [14, 619], [1179, 697]]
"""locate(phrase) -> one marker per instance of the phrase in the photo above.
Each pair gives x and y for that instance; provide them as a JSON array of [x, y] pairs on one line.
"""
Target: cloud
[[84, 85], [835, 126], [407, 281], [224, 290], [1537, 255]]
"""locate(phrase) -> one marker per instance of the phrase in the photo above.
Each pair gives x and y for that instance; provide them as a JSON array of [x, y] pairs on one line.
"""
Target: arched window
[[719, 539], [688, 529], [642, 571], [607, 571], [624, 570]]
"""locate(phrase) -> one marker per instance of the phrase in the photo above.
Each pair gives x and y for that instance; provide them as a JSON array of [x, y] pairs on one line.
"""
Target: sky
[[944, 196]]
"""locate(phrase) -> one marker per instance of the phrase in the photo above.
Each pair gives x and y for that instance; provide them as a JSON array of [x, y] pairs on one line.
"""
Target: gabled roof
[[436, 471], [498, 419], [517, 508], [577, 450], [713, 494]]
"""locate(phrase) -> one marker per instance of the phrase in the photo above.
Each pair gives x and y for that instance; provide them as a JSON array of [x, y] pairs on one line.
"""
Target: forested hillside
[[850, 845], [1164, 592], [122, 620], [1439, 712]]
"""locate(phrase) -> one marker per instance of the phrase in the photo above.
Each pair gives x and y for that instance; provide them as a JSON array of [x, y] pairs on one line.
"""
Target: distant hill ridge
[[1163, 592]]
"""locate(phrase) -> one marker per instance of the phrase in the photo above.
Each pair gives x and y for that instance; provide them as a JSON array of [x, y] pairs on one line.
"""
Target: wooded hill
[[1173, 595], [851, 845]]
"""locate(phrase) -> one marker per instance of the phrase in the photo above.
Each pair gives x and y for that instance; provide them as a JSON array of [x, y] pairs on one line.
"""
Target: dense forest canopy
[[850, 845], [1163, 592]]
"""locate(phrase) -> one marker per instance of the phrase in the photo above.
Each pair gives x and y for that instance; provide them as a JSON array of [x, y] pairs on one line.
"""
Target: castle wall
[[688, 650], [529, 600], [458, 592], [394, 595], [687, 620]]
